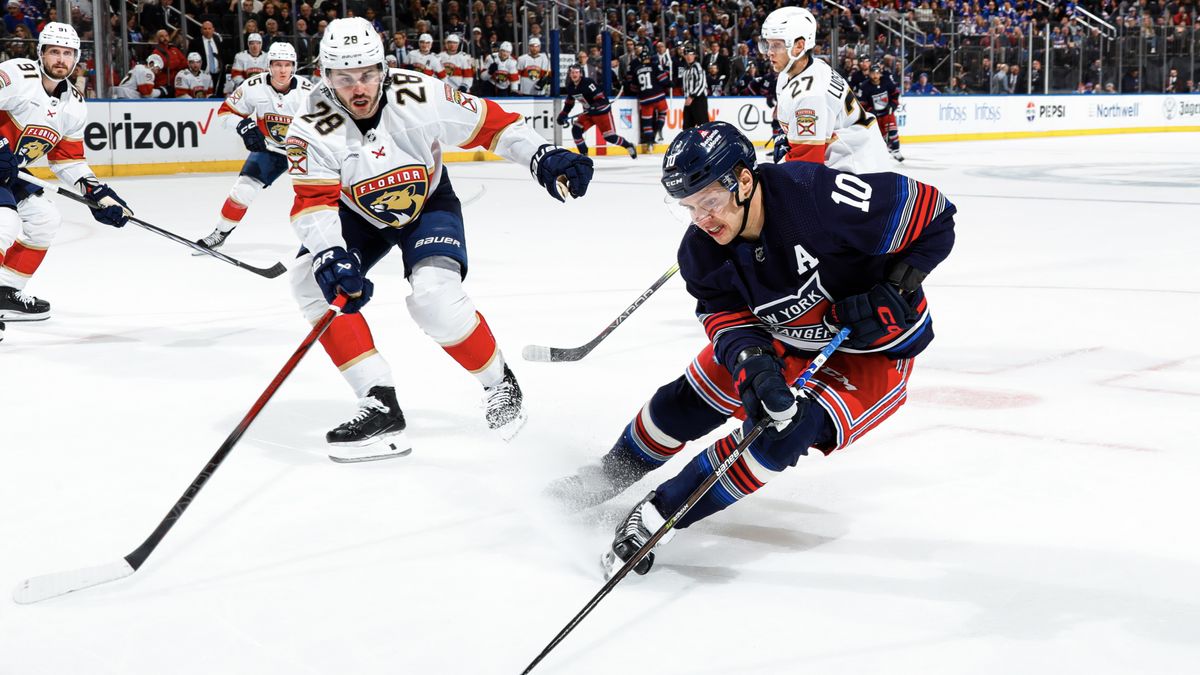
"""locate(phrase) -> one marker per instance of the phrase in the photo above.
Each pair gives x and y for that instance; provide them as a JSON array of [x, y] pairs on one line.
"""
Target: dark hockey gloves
[[110, 209], [765, 395], [337, 271], [781, 148], [10, 164], [550, 165], [562, 120], [251, 136], [874, 317]]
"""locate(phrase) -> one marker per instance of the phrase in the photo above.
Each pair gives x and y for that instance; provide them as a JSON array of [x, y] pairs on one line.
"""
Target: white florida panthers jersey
[[532, 70], [272, 110], [245, 65], [38, 125], [386, 173], [193, 85], [460, 69], [825, 124], [427, 63]]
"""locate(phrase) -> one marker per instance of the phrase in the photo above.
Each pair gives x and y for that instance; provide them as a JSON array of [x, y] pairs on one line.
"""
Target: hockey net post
[[755, 431]]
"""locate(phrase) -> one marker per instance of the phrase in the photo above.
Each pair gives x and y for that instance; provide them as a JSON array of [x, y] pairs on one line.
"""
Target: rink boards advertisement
[[162, 137]]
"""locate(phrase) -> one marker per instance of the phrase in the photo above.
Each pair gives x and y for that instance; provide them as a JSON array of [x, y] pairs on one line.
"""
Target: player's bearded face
[[358, 89], [281, 72], [58, 62]]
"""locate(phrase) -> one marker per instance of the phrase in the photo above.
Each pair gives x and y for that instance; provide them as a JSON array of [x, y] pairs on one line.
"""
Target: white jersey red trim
[[37, 124], [272, 110], [245, 65]]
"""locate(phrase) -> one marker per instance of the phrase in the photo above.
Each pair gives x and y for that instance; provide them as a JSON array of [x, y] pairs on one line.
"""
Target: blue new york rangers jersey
[[827, 235]]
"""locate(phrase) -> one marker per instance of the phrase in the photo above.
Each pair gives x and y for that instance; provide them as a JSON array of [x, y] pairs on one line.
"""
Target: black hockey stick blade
[[46, 586], [268, 272], [702, 489], [559, 354]]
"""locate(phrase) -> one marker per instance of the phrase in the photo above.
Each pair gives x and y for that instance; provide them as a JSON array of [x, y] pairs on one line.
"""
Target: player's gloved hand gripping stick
[[268, 272], [48, 586], [755, 431]]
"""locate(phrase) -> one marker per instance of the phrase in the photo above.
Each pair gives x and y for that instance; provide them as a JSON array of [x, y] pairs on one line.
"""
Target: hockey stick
[[547, 354], [48, 586], [696, 495], [268, 272]]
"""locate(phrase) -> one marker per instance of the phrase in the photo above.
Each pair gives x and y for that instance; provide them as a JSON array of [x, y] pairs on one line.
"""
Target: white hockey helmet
[[281, 51], [58, 35], [535, 42], [789, 24], [194, 56], [154, 61], [350, 43], [425, 37], [253, 37], [506, 46], [453, 37]]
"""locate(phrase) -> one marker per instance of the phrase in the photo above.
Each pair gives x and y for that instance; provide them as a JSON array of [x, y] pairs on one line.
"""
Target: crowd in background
[[946, 47]]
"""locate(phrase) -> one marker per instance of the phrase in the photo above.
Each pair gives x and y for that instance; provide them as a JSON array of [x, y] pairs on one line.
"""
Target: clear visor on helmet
[[713, 199], [772, 46], [342, 79]]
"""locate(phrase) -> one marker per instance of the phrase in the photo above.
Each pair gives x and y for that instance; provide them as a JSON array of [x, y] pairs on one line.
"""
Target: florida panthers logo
[[36, 141], [277, 126], [395, 198], [806, 122]]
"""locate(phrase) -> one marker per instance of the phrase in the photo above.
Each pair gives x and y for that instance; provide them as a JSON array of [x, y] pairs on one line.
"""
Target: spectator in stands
[[1129, 83], [16, 17], [174, 60], [306, 46], [1037, 81], [20, 44], [740, 62], [956, 86], [213, 54], [1000, 80], [923, 87], [714, 57], [306, 13], [1175, 84], [399, 47], [1016, 84]]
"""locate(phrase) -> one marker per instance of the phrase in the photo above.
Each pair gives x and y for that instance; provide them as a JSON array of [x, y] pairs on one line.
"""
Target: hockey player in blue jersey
[[778, 257], [648, 78], [596, 111]]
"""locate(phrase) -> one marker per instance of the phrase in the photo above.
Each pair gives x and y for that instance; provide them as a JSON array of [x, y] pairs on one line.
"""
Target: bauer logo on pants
[[395, 198]]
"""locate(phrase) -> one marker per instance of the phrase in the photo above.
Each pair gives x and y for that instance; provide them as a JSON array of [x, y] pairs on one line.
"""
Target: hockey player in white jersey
[[365, 158], [501, 71], [193, 82], [250, 62], [534, 68], [43, 116], [821, 120], [139, 83], [261, 110], [424, 60], [459, 66]]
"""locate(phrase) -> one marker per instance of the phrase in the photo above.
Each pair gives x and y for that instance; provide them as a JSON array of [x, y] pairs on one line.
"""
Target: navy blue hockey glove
[[337, 271], [251, 136], [874, 317], [110, 209], [562, 120], [10, 164], [552, 167], [765, 395], [493, 68], [781, 148]]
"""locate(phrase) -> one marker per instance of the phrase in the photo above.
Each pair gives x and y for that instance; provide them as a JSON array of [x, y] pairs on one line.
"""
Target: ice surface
[[1031, 510]]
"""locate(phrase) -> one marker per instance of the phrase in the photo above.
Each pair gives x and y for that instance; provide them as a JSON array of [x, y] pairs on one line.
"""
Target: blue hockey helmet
[[704, 154]]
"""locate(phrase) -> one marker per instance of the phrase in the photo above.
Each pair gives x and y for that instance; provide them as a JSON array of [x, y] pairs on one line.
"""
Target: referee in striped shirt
[[695, 87]]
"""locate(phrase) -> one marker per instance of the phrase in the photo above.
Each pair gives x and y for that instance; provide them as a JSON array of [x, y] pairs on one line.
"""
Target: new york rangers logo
[[394, 198], [627, 118], [277, 126], [36, 141]]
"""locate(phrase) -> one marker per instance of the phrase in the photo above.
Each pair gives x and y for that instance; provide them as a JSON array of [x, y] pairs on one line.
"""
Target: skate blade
[[392, 446], [509, 431], [17, 317]]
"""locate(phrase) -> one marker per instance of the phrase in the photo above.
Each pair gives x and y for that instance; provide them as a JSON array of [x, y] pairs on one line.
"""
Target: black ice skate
[[214, 240], [375, 432], [632, 151], [19, 306], [503, 402], [896, 155], [632, 534], [596, 483]]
